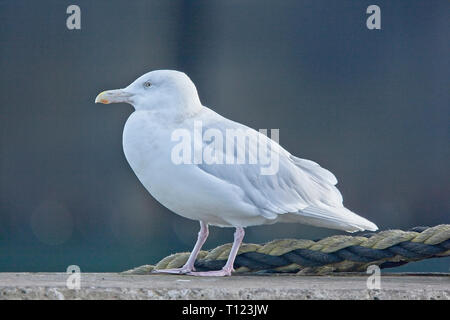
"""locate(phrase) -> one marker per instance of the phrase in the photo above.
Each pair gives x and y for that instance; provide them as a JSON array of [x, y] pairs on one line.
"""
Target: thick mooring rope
[[340, 253]]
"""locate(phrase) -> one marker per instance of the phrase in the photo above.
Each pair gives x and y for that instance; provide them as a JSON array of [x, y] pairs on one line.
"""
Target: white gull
[[232, 194]]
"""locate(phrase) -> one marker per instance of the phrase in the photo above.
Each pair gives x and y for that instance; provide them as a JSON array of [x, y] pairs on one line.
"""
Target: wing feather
[[299, 186]]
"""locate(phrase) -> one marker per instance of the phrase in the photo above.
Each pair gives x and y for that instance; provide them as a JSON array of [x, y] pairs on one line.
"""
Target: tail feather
[[336, 218]]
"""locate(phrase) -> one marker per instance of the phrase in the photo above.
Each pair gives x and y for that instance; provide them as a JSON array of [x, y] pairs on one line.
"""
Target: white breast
[[183, 189]]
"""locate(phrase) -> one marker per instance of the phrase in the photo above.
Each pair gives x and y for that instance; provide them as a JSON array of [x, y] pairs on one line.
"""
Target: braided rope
[[339, 253]]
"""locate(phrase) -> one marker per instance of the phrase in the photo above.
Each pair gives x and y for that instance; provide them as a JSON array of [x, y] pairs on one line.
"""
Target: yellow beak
[[101, 98], [113, 96]]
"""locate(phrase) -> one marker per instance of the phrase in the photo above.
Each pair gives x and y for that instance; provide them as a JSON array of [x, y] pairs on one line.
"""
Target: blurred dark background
[[370, 105]]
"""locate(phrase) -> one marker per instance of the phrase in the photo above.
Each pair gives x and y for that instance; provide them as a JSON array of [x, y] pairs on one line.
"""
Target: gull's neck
[[171, 115]]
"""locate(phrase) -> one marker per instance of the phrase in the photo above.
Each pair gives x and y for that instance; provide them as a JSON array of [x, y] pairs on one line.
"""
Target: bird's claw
[[173, 271], [216, 273]]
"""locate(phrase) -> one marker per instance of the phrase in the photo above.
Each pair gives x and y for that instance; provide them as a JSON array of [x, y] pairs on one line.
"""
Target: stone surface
[[120, 286]]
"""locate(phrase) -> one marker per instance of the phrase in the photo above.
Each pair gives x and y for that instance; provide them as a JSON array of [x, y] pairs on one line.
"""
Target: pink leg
[[228, 268], [189, 265]]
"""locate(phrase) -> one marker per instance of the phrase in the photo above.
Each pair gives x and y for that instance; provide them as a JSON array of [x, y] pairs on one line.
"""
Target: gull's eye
[[147, 84]]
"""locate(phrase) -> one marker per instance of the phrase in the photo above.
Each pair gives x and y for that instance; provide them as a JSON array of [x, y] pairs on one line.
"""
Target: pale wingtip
[[371, 227]]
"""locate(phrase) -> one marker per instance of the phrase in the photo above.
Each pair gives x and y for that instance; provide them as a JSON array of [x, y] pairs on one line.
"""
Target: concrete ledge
[[120, 286]]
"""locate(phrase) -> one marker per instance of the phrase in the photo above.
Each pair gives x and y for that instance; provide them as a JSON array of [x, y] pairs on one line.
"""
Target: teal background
[[370, 105]]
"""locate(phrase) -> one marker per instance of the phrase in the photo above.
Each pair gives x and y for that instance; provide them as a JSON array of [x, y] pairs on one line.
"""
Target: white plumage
[[222, 194]]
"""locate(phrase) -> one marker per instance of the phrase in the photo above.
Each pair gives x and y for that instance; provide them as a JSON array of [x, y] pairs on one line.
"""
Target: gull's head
[[162, 90]]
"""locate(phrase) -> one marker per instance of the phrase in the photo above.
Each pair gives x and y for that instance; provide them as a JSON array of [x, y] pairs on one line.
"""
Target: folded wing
[[299, 190]]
